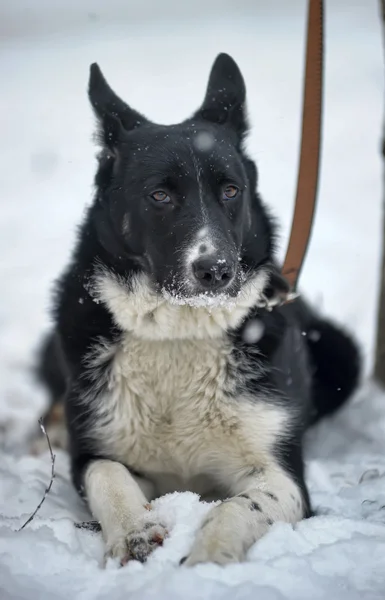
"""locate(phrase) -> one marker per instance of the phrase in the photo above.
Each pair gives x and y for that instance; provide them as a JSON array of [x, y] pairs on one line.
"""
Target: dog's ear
[[225, 96], [114, 115]]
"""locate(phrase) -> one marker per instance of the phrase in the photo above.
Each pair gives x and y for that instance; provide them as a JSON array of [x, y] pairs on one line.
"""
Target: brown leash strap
[[310, 147]]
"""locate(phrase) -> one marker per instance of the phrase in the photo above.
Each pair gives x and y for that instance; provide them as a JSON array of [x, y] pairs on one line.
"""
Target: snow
[[253, 331], [340, 553], [203, 141], [158, 59]]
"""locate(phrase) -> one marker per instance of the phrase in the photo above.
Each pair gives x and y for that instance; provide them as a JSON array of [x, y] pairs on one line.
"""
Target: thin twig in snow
[[48, 488]]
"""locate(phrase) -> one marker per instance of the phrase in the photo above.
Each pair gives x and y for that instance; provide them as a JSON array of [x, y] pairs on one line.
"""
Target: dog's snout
[[213, 272]]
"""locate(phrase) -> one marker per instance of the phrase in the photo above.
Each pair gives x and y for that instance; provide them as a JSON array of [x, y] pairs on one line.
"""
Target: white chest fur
[[170, 408]]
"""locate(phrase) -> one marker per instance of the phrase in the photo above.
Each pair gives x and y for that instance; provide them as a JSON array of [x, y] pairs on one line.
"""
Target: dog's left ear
[[114, 115], [225, 96]]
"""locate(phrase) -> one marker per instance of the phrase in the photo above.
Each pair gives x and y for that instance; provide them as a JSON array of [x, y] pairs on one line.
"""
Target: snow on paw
[[137, 544]]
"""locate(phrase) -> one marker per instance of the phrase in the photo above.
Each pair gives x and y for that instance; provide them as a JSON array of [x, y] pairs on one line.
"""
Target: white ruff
[[148, 315]]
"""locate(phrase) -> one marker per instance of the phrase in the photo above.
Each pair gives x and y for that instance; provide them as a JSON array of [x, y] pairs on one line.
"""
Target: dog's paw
[[227, 533], [202, 553], [137, 544], [218, 540]]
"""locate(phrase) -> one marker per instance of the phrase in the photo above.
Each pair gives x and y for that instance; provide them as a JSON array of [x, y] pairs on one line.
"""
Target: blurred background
[[157, 55]]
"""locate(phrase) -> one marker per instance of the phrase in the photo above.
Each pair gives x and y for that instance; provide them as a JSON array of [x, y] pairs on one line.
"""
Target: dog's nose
[[213, 272]]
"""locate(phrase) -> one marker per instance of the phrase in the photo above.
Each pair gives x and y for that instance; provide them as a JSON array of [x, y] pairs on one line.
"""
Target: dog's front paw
[[211, 546], [228, 532], [219, 540], [205, 553], [137, 544]]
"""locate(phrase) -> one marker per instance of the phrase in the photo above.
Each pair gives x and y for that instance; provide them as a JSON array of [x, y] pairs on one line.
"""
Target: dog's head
[[180, 202]]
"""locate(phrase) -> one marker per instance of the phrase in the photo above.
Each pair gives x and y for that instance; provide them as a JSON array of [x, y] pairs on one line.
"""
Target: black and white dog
[[176, 376]]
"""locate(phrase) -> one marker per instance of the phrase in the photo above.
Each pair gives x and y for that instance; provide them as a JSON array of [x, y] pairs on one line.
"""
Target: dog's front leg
[[117, 501], [234, 525]]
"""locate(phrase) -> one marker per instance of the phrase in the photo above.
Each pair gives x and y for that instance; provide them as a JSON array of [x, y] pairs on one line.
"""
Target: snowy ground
[[339, 554], [158, 58]]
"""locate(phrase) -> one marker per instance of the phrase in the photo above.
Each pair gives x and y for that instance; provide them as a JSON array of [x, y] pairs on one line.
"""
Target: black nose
[[213, 273]]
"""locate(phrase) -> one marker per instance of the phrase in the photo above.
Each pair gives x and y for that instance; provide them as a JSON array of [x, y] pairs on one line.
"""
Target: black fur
[[302, 361]]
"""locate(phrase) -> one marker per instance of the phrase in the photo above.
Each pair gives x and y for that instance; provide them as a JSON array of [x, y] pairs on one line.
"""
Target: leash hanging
[[307, 183]]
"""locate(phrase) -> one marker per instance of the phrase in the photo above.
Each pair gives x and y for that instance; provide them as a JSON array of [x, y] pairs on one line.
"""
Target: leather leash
[[307, 182]]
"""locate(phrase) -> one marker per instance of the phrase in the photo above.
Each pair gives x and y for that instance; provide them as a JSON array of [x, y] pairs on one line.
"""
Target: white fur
[[198, 171], [202, 233], [194, 251], [151, 316]]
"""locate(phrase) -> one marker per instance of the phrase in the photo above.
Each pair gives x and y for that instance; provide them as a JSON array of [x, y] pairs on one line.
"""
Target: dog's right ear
[[114, 115]]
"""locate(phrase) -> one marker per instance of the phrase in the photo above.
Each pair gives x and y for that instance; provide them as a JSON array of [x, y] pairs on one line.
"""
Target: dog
[[171, 370]]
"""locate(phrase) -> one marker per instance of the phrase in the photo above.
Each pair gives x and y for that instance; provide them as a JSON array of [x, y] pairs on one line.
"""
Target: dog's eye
[[230, 192], [161, 197]]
